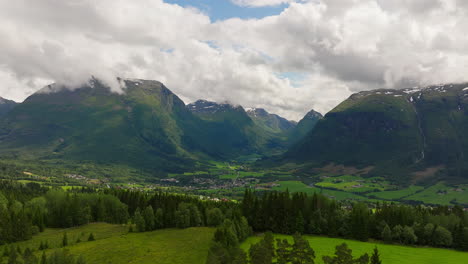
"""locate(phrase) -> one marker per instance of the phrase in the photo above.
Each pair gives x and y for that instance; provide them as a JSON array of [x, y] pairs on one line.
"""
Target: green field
[[353, 183], [297, 186], [115, 245], [242, 174], [441, 194], [390, 254], [390, 195]]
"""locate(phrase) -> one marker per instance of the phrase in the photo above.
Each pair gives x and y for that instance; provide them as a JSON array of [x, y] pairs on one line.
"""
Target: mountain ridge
[[398, 132]]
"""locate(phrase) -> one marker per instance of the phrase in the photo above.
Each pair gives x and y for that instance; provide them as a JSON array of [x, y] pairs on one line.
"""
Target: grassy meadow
[[114, 244], [390, 254]]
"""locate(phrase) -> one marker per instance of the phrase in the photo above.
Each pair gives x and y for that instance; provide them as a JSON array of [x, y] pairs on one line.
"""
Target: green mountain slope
[[141, 128], [273, 123], [147, 128], [406, 135], [305, 125], [236, 129]]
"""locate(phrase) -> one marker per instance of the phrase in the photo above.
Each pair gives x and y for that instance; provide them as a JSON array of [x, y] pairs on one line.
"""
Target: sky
[[287, 56]]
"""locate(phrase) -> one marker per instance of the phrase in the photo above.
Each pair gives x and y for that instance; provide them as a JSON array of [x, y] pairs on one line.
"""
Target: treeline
[[56, 208], [166, 210], [284, 213]]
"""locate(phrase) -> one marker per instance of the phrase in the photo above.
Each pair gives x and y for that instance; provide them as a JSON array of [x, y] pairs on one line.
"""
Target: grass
[[441, 194], [390, 195], [352, 183], [162, 246], [297, 186], [390, 254], [115, 245], [242, 174]]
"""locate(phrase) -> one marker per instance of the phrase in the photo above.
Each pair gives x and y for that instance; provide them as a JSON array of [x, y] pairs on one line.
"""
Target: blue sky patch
[[296, 78], [225, 9]]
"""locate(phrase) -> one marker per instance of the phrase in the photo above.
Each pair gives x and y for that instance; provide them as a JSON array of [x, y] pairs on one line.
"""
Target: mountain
[[272, 122], [407, 135], [146, 127], [6, 106], [305, 125], [143, 127], [237, 129]]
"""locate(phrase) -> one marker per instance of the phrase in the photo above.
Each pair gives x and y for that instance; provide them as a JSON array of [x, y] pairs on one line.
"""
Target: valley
[[153, 175]]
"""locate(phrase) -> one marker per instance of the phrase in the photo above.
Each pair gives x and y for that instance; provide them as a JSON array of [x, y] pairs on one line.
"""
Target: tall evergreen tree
[[65, 240], [148, 215], [139, 221], [375, 258], [302, 253]]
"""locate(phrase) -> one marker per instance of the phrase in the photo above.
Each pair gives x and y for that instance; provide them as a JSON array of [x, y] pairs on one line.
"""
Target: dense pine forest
[[27, 209]]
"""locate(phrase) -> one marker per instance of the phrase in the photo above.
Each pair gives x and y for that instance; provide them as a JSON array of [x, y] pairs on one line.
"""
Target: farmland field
[[297, 186], [389, 195], [441, 194], [390, 254]]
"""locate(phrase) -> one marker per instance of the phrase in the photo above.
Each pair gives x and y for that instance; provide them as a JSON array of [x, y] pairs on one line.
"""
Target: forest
[[27, 209]]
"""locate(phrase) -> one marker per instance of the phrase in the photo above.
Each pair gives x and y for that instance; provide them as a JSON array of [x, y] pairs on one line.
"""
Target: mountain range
[[408, 135], [147, 127]]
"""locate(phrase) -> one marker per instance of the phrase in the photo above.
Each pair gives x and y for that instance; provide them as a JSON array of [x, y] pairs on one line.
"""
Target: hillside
[[244, 134], [6, 106], [147, 128], [115, 245], [305, 125], [272, 122], [142, 127], [408, 135]]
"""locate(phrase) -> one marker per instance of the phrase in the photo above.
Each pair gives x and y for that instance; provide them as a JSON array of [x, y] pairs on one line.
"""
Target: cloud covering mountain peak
[[314, 54]]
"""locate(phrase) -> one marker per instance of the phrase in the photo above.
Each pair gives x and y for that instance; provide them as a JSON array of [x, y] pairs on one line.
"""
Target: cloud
[[263, 3], [337, 47]]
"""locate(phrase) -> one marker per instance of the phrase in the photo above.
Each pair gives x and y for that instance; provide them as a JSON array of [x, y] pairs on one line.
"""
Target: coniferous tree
[[283, 251], [375, 258], [260, 254], [65, 240], [159, 218], [139, 221], [302, 253], [299, 223], [91, 237], [148, 215], [359, 222], [343, 255]]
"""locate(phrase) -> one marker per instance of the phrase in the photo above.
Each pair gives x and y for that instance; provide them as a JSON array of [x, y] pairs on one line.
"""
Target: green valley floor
[[390, 254]]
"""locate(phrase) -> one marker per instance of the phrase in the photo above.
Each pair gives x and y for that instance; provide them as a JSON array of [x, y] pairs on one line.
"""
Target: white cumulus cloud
[[312, 55]]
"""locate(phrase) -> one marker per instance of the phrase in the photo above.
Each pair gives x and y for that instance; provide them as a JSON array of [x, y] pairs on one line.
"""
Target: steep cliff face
[[396, 131]]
